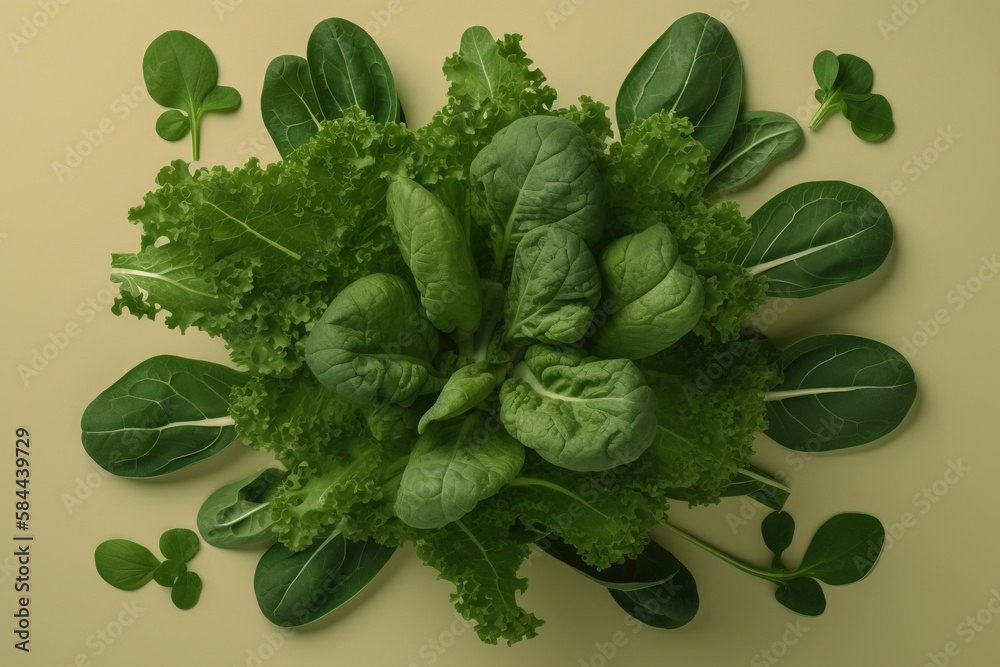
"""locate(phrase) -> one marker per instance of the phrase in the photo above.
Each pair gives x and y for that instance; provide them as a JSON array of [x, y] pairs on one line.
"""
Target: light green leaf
[[554, 287], [467, 387], [125, 564], [453, 466], [436, 249], [372, 342], [580, 413], [239, 513], [657, 298], [537, 171]]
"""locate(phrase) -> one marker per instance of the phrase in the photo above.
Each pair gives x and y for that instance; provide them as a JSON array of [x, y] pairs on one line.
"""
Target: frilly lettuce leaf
[[252, 244]]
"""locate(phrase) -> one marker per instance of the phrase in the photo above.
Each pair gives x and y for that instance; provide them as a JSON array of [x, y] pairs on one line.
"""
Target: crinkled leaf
[[577, 412], [372, 342]]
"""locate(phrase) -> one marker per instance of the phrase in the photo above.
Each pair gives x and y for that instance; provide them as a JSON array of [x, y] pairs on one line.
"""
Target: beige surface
[[77, 78]]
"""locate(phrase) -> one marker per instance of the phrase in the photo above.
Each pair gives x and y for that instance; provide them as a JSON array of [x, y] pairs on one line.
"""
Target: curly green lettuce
[[244, 254]]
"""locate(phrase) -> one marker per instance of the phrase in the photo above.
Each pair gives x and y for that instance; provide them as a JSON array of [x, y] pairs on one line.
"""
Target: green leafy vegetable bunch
[[500, 332]]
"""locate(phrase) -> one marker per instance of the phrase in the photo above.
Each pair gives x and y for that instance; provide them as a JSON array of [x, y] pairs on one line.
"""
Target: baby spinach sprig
[[845, 83], [842, 551], [181, 73], [129, 566]]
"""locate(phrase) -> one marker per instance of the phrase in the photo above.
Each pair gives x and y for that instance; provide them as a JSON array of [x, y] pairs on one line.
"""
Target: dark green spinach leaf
[[759, 138], [297, 587], [692, 70], [654, 566], [815, 236], [669, 605], [163, 415], [343, 67], [838, 391]]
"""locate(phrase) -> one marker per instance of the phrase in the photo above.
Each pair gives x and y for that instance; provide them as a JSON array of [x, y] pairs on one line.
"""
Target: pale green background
[[937, 63]]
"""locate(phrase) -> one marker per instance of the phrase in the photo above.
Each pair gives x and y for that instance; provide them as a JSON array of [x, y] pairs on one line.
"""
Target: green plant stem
[[828, 105], [774, 576], [195, 138]]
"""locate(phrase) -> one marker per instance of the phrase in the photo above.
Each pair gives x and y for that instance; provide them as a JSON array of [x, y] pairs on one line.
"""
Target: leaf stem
[[829, 104], [774, 576]]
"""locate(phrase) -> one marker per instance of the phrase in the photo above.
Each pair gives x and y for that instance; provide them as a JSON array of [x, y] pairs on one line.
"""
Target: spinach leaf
[[163, 415], [692, 70], [343, 67], [372, 342], [844, 549], [777, 529], [186, 590], [669, 605], [239, 513], [168, 571], [125, 564], [815, 236], [298, 587], [540, 170], [658, 298], [436, 248], [467, 387], [577, 412], [179, 544], [554, 286], [759, 138], [802, 595], [452, 467], [845, 84], [180, 72], [838, 391], [654, 566]]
